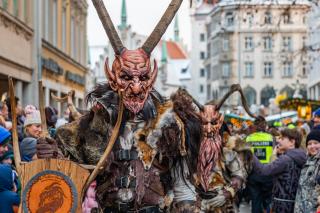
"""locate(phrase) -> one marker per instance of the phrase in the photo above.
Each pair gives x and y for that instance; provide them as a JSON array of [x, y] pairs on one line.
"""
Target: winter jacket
[[309, 186], [8, 197], [285, 171]]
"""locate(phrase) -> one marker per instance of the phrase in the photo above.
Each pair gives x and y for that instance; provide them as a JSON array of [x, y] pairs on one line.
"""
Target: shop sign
[[75, 78], [52, 66]]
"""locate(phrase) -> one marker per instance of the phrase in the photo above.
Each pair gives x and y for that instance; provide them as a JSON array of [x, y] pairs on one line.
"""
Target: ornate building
[[314, 54], [259, 44]]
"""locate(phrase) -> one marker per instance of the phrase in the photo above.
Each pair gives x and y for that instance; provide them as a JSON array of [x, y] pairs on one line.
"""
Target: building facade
[[258, 45], [198, 16], [61, 53], [16, 40], [313, 50]]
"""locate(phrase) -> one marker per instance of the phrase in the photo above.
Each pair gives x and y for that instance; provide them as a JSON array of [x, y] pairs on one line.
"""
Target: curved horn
[[108, 26], [59, 99], [234, 88], [161, 27]]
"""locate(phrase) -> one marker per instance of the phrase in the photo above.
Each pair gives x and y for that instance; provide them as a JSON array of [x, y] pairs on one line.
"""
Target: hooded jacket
[[285, 171], [8, 197]]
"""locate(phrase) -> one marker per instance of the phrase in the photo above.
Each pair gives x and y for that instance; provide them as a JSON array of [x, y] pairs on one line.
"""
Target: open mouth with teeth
[[134, 103]]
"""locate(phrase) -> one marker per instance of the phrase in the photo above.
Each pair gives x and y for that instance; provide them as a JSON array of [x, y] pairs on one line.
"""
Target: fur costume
[[153, 136]]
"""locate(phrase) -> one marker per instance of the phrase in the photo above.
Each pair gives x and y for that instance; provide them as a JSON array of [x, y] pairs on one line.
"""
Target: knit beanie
[[4, 135], [32, 118], [317, 112], [313, 135], [28, 147]]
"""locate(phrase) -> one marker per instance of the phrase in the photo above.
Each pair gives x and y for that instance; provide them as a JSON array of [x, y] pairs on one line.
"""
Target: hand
[[217, 201], [47, 148]]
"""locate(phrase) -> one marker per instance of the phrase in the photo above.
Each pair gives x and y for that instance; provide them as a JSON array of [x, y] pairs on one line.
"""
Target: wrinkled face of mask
[[132, 76]]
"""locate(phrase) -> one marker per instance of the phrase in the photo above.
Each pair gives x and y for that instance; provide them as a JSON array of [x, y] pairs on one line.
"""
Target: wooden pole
[[42, 112], [15, 141], [103, 160]]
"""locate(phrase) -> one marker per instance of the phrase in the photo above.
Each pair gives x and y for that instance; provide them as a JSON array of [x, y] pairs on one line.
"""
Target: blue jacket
[[8, 198]]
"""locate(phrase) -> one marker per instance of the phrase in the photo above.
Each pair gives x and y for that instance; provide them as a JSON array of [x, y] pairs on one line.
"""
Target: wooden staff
[[42, 112], [16, 149], [103, 160]]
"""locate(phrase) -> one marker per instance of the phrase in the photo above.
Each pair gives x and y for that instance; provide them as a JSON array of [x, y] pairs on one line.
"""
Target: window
[[208, 69], [304, 42], [225, 44], [287, 69], [250, 19], [72, 37], [304, 69], [202, 55], [248, 43], [64, 29], [249, 69], [202, 37], [267, 43], [201, 88], [184, 70], [286, 18], [304, 19], [229, 19], [268, 18], [268, 69], [15, 8], [54, 22], [46, 20], [226, 70], [202, 72], [287, 43], [5, 4]]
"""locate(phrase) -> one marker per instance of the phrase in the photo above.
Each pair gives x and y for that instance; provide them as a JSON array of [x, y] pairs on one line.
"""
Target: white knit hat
[[32, 118]]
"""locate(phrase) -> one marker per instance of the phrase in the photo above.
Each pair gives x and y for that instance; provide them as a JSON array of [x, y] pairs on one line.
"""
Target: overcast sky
[[143, 16]]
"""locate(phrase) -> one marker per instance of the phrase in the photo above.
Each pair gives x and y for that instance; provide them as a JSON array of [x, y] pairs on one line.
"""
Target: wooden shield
[[52, 185]]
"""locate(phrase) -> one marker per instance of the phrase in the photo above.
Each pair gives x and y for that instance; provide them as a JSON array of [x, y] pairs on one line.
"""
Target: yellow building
[[63, 47]]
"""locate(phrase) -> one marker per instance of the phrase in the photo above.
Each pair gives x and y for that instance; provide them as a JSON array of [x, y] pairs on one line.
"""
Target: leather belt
[[147, 209], [127, 208], [126, 155], [125, 182]]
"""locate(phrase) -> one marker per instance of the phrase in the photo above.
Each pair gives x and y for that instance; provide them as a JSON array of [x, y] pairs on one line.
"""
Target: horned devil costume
[[135, 177]]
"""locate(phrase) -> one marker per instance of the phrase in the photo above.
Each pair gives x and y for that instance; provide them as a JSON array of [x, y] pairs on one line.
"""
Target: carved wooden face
[[131, 74], [211, 120]]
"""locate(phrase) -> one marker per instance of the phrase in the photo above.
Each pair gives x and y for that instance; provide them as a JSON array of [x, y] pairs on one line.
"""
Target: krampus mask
[[131, 73], [211, 142]]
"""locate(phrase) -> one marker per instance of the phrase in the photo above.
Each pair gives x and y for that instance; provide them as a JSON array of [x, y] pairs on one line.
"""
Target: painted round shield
[[50, 191]]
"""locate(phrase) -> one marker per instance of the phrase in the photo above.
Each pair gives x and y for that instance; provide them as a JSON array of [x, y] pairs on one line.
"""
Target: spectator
[[32, 129], [3, 114], [285, 170], [51, 118], [309, 183], [316, 119], [259, 185], [5, 137], [20, 116], [9, 199], [8, 158]]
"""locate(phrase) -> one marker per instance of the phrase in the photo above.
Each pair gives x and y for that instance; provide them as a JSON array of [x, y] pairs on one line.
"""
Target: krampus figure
[[136, 175], [214, 170]]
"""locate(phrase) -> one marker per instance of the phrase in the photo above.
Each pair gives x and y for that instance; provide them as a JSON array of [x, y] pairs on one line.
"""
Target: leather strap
[[125, 182], [126, 155]]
